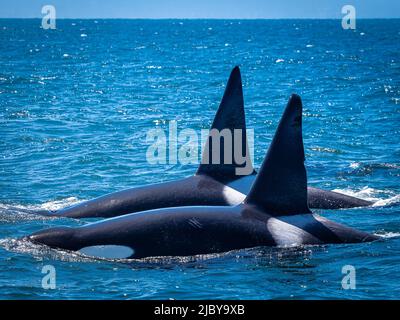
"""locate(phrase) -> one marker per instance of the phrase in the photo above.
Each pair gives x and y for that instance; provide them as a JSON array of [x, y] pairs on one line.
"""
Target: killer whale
[[213, 184], [274, 213]]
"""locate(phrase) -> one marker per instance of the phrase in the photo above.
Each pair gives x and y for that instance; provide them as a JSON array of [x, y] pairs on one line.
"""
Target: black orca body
[[185, 231], [198, 190], [213, 184], [275, 212]]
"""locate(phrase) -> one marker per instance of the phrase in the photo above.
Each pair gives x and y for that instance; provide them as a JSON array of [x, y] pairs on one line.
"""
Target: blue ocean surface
[[77, 102]]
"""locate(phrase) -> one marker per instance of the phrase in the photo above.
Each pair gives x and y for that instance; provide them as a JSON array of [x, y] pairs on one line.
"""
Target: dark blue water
[[75, 106]]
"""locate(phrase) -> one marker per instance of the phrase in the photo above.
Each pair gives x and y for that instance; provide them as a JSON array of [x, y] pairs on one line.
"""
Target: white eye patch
[[108, 251]]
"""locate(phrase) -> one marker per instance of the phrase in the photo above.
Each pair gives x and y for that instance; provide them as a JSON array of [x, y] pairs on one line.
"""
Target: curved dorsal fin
[[230, 116], [281, 184]]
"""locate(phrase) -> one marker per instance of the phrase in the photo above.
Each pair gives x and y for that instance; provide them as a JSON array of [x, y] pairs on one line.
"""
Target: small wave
[[23, 245], [10, 213], [50, 205], [327, 150], [153, 67], [386, 202], [12, 216], [365, 193], [388, 234], [373, 195], [39, 251], [59, 204], [270, 254], [363, 169], [354, 165]]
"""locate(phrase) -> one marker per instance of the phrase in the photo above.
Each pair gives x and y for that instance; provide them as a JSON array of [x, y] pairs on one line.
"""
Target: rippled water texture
[[75, 106]]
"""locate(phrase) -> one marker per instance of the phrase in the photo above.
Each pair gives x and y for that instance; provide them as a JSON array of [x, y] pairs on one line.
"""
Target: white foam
[[386, 202], [373, 195], [50, 205], [11, 213], [354, 165], [388, 234], [365, 193], [39, 251], [59, 204]]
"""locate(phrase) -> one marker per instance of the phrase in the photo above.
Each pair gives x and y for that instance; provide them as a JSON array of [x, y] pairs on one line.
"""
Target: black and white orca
[[213, 184], [274, 213]]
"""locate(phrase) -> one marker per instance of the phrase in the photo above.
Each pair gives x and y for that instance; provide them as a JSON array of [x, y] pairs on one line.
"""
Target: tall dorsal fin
[[281, 184], [230, 115]]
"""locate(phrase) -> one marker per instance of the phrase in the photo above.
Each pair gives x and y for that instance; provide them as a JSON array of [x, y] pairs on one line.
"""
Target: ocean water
[[76, 104]]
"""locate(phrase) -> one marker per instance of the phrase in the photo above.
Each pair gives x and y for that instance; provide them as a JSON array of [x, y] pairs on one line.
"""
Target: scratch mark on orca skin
[[195, 223]]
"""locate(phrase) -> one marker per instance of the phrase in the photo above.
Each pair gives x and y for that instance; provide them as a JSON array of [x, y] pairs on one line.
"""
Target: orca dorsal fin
[[281, 184], [218, 158]]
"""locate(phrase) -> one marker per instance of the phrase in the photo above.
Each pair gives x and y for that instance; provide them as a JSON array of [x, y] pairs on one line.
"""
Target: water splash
[[363, 169], [379, 197], [11, 213], [388, 235], [50, 205], [270, 255], [38, 251], [386, 202]]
